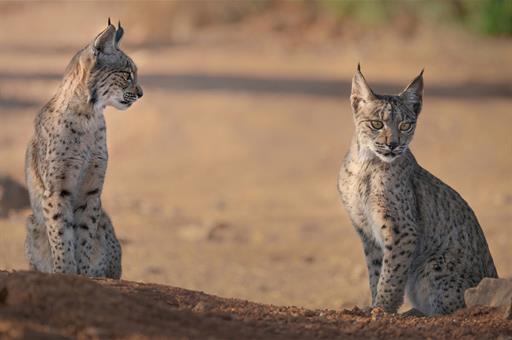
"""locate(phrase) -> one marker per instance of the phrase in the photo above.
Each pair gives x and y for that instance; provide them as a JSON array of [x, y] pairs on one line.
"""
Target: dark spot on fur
[[64, 193], [93, 192], [82, 207], [94, 96]]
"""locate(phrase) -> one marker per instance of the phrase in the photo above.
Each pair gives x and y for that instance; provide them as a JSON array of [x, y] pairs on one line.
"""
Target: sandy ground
[[223, 178], [37, 306]]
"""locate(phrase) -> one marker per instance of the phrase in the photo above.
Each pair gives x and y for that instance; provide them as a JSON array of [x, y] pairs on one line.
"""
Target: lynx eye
[[405, 126], [130, 76], [376, 124]]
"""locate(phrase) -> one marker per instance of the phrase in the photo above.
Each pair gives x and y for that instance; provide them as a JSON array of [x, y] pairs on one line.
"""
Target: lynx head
[[385, 124], [109, 74]]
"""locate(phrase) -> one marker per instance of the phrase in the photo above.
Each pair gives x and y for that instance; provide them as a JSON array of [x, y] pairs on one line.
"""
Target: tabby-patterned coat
[[66, 160], [419, 236]]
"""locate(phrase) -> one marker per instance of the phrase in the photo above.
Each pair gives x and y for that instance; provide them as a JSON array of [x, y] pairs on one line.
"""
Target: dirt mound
[[58, 306]]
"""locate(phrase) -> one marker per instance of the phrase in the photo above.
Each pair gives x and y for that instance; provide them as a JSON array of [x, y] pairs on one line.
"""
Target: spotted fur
[[419, 235], [66, 160]]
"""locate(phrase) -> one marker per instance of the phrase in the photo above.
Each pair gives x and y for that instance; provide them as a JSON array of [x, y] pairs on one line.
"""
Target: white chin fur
[[367, 153], [119, 106], [386, 159]]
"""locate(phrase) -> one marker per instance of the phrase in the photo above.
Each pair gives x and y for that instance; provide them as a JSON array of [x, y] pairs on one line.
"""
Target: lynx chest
[[360, 190]]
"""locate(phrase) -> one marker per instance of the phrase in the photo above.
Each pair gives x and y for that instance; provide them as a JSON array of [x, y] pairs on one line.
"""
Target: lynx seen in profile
[[419, 236], [68, 231]]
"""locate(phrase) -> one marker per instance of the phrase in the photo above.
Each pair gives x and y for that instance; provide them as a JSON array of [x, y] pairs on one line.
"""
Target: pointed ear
[[413, 94], [119, 34], [361, 92], [105, 41]]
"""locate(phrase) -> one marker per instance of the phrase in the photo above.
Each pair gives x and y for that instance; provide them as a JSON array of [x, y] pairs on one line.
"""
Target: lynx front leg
[[373, 255], [87, 217], [58, 217], [61, 173], [112, 247], [399, 246]]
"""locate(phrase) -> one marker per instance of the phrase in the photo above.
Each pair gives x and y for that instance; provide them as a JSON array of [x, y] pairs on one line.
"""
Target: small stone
[[358, 311], [377, 313], [490, 293], [217, 232]]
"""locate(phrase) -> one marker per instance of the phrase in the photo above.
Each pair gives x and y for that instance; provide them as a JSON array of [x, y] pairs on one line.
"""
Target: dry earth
[[222, 179], [44, 306]]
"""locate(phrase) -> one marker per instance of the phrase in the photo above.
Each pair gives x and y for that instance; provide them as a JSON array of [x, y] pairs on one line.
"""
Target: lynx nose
[[392, 146], [140, 93]]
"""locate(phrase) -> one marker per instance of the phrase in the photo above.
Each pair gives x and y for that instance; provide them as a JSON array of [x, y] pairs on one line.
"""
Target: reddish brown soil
[[34, 305]]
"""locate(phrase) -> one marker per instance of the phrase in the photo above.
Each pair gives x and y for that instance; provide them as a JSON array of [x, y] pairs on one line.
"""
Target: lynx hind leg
[[438, 286], [113, 247], [107, 262], [37, 246]]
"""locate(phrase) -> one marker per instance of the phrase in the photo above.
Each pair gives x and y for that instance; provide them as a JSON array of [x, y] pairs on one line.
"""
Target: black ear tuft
[[93, 97], [119, 33], [108, 24]]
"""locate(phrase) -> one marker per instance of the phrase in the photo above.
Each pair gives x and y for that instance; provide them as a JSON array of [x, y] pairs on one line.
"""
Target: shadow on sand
[[277, 85]]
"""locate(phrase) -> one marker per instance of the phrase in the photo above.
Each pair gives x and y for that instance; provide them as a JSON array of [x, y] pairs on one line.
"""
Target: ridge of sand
[[59, 306]]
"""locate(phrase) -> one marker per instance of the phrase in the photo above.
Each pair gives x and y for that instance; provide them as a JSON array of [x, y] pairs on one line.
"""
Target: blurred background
[[223, 177]]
